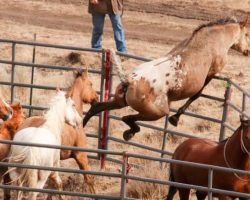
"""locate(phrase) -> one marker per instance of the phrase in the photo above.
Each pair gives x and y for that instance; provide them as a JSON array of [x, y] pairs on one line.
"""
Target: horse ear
[[78, 72], [243, 23]]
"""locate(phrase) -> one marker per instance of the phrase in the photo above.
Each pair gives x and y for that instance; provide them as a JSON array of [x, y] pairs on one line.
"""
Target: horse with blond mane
[[81, 92], [61, 110], [183, 73], [234, 152]]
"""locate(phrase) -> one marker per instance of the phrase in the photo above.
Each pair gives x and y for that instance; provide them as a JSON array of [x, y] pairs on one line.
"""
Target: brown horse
[[232, 153], [7, 132], [5, 110], [183, 73], [81, 92]]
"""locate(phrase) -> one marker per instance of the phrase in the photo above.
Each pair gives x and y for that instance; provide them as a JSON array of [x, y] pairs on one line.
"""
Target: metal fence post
[[32, 74], [225, 110], [243, 105], [101, 100], [210, 183], [164, 137], [104, 130], [123, 177], [13, 70]]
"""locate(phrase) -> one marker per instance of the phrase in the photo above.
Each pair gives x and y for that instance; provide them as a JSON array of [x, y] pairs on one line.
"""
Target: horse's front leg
[[174, 119], [82, 158]]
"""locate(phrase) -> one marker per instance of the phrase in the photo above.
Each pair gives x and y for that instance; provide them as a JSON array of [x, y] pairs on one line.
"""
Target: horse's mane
[[54, 117], [223, 21], [187, 41]]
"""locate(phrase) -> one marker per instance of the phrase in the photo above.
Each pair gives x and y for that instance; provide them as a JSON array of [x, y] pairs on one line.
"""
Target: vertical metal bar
[[123, 177], [210, 183], [225, 111], [243, 105], [110, 91], [106, 113], [32, 74], [101, 100], [13, 71], [164, 137]]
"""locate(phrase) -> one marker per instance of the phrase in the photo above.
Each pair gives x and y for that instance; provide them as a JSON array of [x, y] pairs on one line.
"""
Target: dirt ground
[[152, 27]]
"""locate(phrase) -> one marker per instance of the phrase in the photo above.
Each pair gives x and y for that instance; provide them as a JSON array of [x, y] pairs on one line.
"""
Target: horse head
[[242, 42], [5, 110], [88, 94], [18, 111]]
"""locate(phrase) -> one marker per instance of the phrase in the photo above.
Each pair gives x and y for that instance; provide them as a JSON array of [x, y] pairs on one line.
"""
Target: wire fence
[[103, 136]]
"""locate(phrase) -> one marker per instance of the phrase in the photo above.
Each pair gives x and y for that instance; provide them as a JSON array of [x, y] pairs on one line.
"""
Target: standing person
[[98, 9]]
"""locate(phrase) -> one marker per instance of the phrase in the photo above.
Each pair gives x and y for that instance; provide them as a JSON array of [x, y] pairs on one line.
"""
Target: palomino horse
[[232, 153], [81, 92], [5, 110], [183, 73], [7, 132], [61, 110]]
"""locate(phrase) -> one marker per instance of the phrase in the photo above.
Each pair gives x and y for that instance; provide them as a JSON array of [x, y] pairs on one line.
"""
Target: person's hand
[[95, 2]]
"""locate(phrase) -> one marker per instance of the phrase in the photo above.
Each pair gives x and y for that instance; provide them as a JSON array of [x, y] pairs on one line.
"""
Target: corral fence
[[103, 136]]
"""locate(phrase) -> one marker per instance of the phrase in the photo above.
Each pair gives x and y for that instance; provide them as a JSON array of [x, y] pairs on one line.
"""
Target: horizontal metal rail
[[130, 155], [40, 44], [44, 66], [51, 191]]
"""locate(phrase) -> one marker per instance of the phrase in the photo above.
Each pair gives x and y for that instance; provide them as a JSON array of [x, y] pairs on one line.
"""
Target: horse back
[[35, 121]]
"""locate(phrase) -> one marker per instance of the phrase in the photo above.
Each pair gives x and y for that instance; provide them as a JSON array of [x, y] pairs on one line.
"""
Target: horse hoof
[[173, 120], [127, 135]]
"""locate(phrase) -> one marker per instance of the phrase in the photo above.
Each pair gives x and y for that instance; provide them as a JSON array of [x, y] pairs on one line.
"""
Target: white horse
[[61, 109]]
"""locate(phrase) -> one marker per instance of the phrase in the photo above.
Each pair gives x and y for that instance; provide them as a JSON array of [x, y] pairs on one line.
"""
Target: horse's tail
[[172, 189], [118, 67], [23, 175]]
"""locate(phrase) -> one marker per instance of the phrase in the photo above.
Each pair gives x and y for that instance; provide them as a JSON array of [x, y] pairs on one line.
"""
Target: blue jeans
[[98, 23]]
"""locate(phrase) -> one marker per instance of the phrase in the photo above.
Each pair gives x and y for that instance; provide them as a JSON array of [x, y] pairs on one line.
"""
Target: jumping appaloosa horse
[[233, 152], [183, 73], [81, 92], [7, 132], [61, 110]]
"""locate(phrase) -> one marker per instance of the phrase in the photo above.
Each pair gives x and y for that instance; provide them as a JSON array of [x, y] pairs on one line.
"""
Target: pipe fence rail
[[103, 136]]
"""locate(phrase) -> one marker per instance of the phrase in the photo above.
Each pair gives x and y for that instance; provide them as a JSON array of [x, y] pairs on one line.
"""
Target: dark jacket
[[106, 7]]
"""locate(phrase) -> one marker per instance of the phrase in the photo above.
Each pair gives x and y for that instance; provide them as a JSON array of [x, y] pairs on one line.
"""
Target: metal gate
[[103, 136]]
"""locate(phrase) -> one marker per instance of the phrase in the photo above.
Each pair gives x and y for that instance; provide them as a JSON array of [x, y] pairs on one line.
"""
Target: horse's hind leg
[[134, 128], [174, 119], [101, 106], [54, 176], [117, 102]]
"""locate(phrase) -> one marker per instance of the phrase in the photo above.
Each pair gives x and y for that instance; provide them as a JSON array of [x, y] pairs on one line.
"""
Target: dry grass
[[144, 190]]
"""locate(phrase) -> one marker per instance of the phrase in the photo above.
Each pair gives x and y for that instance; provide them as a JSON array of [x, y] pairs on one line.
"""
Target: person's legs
[[118, 32], [98, 23]]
